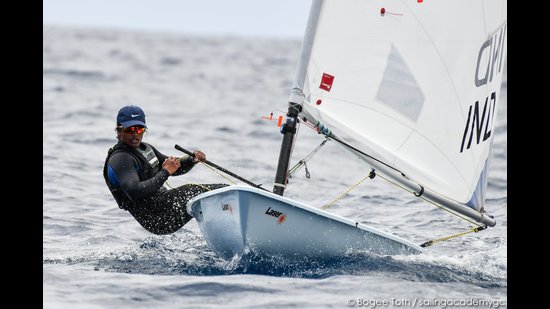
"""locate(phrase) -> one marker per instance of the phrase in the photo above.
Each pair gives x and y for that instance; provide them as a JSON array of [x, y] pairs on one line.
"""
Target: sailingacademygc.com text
[[426, 302]]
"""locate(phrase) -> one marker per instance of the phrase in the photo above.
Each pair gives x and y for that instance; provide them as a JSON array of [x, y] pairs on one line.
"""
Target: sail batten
[[417, 89]]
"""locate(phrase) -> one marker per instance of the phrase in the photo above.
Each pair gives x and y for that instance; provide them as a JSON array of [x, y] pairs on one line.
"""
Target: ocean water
[[210, 93]]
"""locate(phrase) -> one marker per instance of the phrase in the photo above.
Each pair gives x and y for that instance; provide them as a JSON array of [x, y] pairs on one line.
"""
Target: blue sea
[[210, 93]]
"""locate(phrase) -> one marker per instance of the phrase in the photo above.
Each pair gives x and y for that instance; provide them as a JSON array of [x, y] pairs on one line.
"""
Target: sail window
[[399, 89]]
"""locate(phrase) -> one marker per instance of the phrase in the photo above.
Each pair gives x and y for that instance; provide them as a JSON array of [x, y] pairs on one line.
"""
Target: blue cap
[[130, 115]]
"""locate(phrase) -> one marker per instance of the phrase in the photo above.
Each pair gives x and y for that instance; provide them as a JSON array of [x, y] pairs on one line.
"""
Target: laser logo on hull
[[281, 217]]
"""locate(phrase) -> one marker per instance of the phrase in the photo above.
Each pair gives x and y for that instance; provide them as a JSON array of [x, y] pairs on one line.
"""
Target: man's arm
[[125, 167], [186, 162]]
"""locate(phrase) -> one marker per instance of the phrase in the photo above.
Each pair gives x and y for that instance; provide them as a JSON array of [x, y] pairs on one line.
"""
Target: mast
[[296, 98], [289, 131]]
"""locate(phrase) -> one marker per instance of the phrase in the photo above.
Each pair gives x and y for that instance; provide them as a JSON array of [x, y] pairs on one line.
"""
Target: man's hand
[[199, 156], [171, 164]]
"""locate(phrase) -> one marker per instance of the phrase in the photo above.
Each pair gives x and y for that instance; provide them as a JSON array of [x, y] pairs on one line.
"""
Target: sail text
[[490, 55], [481, 125]]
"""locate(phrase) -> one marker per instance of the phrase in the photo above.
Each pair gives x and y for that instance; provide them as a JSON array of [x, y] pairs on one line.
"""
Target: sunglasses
[[131, 130]]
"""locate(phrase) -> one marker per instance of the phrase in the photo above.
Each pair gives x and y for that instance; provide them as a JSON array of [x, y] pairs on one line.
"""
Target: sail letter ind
[[480, 123]]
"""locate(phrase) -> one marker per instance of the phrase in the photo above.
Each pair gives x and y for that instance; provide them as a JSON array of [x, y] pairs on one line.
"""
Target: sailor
[[135, 173]]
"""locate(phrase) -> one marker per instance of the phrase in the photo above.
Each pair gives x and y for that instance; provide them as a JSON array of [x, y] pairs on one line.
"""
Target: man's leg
[[165, 213]]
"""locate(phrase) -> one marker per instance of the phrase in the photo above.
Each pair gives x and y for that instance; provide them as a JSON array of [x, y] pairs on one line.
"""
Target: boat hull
[[236, 220]]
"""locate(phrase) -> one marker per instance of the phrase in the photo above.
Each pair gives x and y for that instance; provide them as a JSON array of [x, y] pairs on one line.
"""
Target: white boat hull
[[236, 220]]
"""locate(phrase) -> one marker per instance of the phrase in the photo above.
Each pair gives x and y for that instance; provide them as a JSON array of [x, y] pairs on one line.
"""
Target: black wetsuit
[[135, 177]]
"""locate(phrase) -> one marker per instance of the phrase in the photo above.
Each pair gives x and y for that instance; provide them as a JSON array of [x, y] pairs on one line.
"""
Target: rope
[[213, 169], [370, 175], [167, 184], [195, 184], [204, 187], [435, 241]]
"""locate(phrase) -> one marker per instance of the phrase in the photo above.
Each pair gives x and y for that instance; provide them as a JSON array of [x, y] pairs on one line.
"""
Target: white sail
[[414, 84]]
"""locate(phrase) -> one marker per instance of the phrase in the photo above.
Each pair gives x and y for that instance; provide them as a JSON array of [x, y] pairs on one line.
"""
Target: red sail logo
[[326, 82]]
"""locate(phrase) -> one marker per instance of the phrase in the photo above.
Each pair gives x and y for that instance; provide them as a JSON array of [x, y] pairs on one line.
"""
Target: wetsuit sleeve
[[125, 169], [186, 162]]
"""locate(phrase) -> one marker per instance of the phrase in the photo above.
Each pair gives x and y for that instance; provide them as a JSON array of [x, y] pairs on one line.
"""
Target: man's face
[[131, 136]]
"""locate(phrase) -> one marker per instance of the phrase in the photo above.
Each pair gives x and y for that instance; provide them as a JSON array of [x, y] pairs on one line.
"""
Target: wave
[[158, 257]]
